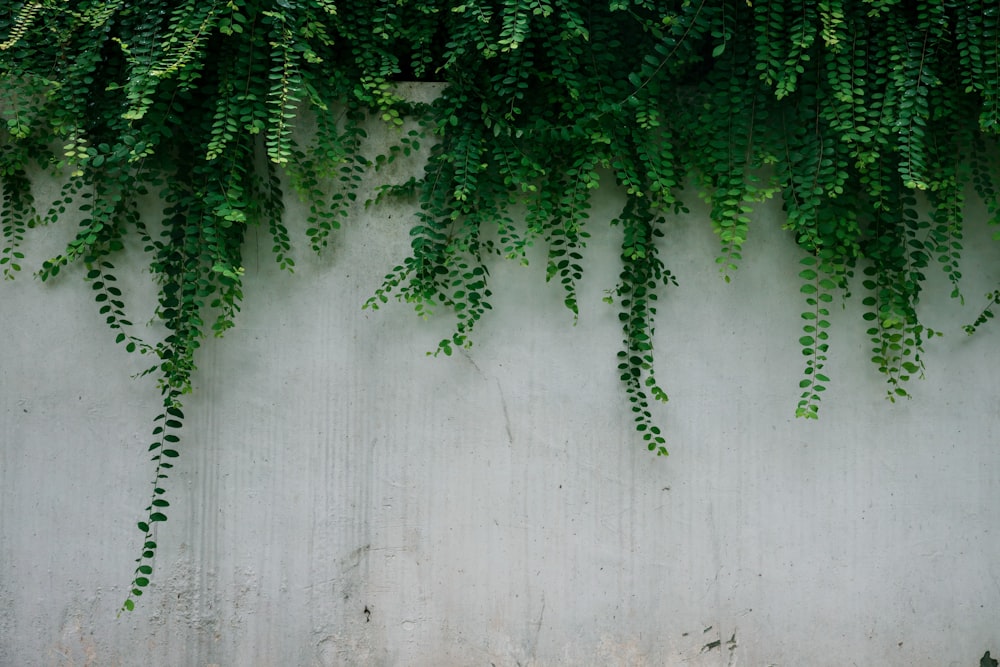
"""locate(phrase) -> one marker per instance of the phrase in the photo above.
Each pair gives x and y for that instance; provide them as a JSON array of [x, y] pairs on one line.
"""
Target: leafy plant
[[854, 111]]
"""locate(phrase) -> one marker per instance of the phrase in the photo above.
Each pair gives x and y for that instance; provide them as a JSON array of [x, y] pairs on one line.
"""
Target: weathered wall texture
[[496, 507]]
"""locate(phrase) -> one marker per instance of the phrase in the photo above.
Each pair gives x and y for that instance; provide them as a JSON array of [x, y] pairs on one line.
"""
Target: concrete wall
[[496, 507]]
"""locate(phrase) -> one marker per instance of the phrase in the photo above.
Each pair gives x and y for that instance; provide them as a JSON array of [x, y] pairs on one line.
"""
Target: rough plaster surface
[[343, 499]]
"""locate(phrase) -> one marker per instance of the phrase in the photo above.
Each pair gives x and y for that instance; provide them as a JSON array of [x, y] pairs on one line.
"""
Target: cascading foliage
[[853, 111]]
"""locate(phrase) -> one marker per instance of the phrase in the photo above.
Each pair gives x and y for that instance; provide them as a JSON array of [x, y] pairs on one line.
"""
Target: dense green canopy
[[847, 109]]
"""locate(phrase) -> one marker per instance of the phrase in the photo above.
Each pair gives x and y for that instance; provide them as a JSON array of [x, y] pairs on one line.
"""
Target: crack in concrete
[[506, 414], [538, 628], [503, 398]]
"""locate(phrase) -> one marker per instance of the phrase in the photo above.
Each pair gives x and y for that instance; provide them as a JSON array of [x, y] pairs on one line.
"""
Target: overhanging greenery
[[847, 109]]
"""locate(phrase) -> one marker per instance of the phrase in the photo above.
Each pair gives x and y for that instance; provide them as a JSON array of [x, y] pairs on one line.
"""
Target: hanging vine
[[854, 111]]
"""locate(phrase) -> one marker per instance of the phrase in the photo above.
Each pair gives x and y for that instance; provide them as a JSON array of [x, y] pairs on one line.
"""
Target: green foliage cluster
[[853, 111]]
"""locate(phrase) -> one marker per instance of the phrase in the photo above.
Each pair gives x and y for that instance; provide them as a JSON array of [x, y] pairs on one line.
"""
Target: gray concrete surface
[[342, 499]]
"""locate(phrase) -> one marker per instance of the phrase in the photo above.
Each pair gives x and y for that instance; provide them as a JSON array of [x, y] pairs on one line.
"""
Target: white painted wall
[[495, 507]]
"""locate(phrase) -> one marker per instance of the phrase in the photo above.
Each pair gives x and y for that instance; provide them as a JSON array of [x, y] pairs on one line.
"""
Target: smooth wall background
[[344, 499]]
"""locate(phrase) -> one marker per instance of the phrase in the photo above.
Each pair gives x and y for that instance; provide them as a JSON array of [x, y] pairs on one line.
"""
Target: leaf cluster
[[854, 112]]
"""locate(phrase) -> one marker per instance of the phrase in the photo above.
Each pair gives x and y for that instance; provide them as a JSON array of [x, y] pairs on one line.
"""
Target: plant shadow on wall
[[847, 111]]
